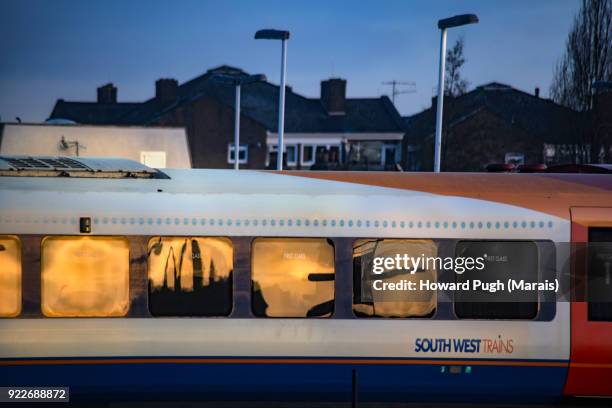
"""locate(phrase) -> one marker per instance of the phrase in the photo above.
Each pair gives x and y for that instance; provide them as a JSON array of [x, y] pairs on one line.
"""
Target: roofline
[[220, 101], [539, 98], [61, 100], [479, 88], [80, 125]]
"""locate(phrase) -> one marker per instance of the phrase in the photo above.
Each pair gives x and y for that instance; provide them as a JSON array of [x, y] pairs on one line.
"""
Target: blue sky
[[65, 49]]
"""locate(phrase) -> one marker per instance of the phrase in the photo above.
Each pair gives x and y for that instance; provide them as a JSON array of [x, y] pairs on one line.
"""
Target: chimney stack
[[333, 95], [537, 92], [107, 94], [166, 89]]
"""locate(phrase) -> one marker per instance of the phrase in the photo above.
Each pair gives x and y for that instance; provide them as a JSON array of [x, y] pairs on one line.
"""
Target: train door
[[590, 371]]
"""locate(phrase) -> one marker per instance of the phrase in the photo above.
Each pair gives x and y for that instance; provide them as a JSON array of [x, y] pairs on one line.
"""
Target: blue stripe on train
[[294, 381]]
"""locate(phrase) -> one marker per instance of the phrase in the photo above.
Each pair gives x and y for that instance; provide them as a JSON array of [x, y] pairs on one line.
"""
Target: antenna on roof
[[66, 144], [395, 91]]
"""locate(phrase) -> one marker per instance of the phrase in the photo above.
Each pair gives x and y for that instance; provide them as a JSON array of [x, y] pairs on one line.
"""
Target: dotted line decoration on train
[[286, 222]]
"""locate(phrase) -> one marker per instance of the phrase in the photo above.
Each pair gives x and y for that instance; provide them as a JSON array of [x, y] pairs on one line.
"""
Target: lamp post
[[238, 81], [444, 25], [283, 36]]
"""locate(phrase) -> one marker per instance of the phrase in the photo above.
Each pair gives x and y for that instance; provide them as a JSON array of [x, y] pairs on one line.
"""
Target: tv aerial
[[67, 144], [395, 90]]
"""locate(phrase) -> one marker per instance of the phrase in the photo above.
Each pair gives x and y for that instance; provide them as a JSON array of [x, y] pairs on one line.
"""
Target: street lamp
[[283, 36], [444, 25], [238, 81]]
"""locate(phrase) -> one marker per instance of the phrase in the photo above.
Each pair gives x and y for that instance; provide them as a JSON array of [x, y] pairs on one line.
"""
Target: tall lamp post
[[238, 81], [283, 36], [444, 25]]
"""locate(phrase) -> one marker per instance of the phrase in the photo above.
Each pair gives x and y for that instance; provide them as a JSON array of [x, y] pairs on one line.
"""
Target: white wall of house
[[156, 147]]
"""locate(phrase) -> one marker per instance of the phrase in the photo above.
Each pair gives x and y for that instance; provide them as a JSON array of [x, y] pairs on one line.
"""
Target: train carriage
[[125, 282]]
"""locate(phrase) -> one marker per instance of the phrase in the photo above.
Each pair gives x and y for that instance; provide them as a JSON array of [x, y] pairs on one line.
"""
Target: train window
[[502, 260], [293, 277], [368, 298], [10, 276], [190, 276], [85, 276], [599, 274]]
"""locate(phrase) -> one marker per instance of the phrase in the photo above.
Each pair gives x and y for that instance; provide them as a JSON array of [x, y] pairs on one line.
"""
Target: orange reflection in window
[[190, 276], [85, 276], [415, 303], [293, 277], [172, 261], [10, 276]]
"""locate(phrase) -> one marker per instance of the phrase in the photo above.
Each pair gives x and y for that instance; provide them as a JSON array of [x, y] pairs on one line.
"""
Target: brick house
[[332, 131], [495, 123]]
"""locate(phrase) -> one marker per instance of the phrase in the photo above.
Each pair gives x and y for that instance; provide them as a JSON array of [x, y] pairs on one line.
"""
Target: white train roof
[[257, 203]]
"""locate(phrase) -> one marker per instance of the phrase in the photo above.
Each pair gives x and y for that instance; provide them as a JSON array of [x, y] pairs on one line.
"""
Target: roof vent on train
[[84, 167]]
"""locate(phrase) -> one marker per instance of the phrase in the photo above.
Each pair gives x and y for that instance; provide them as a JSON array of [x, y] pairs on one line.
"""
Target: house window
[[291, 155], [156, 160], [271, 158], [293, 277], [515, 158], [368, 152], [10, 276], [390, 154], [85, 276], [334, 154], [243, 154], [190, 276], [308, 158]]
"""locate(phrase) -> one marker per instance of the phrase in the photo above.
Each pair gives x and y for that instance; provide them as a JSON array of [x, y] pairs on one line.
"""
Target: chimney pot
[[537, 92], [107, 93], [333, 95], [166, 89]]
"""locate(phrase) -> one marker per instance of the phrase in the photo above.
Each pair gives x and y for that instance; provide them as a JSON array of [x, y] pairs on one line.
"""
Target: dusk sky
[[65, 49]]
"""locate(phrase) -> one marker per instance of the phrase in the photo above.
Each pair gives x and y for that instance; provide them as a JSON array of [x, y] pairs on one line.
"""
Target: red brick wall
[[210, 127], [478, 140]]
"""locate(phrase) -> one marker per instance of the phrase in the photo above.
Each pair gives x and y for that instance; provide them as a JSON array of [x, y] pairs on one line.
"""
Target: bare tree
[[455, 85], [587, 58]]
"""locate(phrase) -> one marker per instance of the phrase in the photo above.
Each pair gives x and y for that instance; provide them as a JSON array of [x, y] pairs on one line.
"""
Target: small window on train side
[[10, 276], [376, 273], [85, 276], [502, 260], [293, 277], [190, 276], [599, 274]]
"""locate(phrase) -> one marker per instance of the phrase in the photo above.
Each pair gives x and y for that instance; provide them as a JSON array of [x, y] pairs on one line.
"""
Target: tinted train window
[[502, 260], [10, 276], [85, 276], [190, 276], [370, 302], [600, 274], [293, 277]]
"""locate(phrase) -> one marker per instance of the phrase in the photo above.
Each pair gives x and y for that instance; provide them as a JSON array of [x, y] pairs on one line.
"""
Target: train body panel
[[591, 353]]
